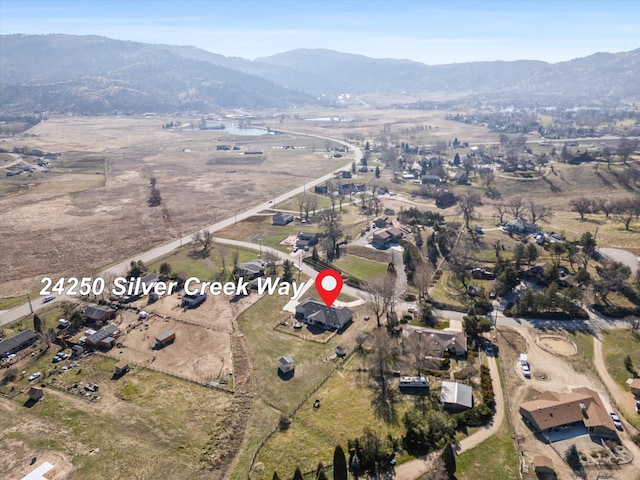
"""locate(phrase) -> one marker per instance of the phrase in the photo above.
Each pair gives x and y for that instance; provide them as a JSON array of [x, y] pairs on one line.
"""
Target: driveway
[[622, 256]]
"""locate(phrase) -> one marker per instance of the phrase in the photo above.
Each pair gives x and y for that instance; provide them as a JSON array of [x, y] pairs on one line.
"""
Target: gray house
[[317, 313], [18, 342], [281, 219]]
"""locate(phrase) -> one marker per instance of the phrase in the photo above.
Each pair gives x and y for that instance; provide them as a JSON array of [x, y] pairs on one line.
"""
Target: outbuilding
[[122, 367], [165, 338], [286, 364]]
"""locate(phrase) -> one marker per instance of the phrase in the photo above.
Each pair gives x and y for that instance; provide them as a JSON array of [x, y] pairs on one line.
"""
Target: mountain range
[[92, 75]]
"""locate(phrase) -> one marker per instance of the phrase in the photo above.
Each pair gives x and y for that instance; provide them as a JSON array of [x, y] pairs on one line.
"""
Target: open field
[[163, 421], [196, 190]]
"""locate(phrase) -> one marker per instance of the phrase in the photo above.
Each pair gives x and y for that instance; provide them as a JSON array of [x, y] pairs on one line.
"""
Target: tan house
[[579, 406]]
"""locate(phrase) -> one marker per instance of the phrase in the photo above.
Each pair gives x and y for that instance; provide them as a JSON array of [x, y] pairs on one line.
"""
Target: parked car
[[489, 349], [616, 421], [638, 406], [33, 376], [412, 309], [48, 298], [526, 371]]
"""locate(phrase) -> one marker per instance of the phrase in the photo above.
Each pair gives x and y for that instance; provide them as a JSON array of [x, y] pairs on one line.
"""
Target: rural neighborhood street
[[162, 250]]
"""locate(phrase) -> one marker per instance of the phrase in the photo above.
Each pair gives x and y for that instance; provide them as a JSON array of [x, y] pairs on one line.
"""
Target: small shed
[[285, 364], [122, 367], [77, 351], [543, 464], [35, 393], [634, 385], [165, 338]]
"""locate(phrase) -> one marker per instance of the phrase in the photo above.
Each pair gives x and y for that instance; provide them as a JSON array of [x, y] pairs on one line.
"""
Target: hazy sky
[[432, 32]]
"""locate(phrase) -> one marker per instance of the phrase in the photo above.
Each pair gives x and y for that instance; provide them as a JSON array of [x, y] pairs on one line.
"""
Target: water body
[[237, 130]]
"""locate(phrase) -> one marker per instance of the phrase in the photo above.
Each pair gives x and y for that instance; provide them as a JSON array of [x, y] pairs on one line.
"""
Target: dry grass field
[[91, 209]]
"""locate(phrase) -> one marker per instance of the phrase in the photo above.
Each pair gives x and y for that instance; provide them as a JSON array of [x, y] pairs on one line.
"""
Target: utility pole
[[29, 300]]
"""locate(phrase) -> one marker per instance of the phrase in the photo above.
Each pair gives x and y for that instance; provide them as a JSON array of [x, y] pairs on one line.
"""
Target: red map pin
[[329, 284]]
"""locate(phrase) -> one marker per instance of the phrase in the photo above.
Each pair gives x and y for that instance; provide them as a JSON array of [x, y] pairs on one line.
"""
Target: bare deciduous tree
[[204, 238]]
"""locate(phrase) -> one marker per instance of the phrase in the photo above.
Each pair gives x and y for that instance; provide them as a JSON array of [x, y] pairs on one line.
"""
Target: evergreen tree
[[38, 325], [275, 476], [320, 472], [297, 475], [449, 459], [377, 172], [339, 464]]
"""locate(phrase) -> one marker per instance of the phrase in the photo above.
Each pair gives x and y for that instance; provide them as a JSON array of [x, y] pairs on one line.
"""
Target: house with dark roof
[[430, 180], [456, 396], [387, 237], [18, 342], [306, 240], [381, 222], [281, 218], [98, 313], [579, 406], [252, 269], [105, 338], [445, 199], [313, 312], [192, 301], [437, 343]]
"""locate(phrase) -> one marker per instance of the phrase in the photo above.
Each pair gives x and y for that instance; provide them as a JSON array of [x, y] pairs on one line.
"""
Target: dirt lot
[[202, 349], [554, 366]]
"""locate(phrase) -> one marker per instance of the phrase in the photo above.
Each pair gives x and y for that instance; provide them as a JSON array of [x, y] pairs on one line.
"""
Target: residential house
[[438, 343], [252, 269], [520, 226], [386, 237], [445, 199], [281, 219], [538, 271], [346, 174], [381, 222], [346, 188], [192, 301], [18, 342], [317, 313], [456, 396], [105, 338], [306, 240], [461, 179], [580, 406], [98, 313], [430, 180]]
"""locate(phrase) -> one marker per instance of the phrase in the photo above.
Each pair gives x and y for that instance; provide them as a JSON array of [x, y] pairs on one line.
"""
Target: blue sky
[[432, 32]]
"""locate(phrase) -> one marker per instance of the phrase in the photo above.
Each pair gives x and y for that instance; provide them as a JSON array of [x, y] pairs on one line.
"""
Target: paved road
[[619, 398], [162, 250]]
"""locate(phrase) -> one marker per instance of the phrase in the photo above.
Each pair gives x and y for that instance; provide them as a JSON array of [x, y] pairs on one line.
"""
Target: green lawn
[[493, 459], [11, 302], [361, 267], [584, 341], [267, 345], [346, 407], [617, 345]]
